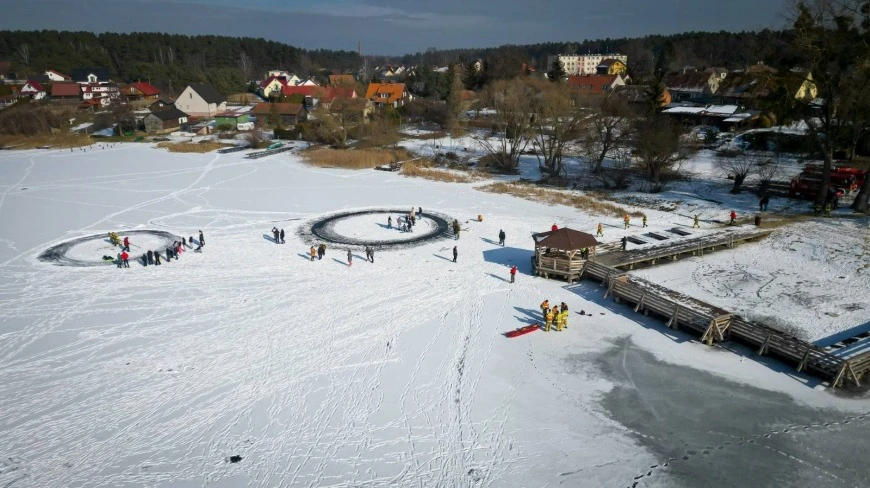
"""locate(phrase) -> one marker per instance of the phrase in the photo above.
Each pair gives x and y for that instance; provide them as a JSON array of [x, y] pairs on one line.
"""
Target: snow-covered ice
[[386, 374], [375, 229], [810, 278]]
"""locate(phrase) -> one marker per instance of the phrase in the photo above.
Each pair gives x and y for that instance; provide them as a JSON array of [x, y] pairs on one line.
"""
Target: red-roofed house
[[388, 94], [141, 90], [314, 95], [66, 91], [340, 92], [290, 113], [595, 84], [33, 89], [305, 91], [272, 86]]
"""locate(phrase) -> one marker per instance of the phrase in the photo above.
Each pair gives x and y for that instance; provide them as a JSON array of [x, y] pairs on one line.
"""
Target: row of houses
[[91, 87], [756, 83], [280, 83]]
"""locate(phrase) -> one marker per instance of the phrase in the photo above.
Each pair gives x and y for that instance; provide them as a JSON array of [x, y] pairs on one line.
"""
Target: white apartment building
[[583, 64]]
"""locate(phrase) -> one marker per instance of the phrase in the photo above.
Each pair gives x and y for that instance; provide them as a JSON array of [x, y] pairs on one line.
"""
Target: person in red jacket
[[733, 217], [126, 244], [124, 258], [554, 228], [513, 273]]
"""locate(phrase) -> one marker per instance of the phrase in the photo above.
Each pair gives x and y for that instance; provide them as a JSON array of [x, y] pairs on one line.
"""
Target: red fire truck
[[807, 188], [849, 179]]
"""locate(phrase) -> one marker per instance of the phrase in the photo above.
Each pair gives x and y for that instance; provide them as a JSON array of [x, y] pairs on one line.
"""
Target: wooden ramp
[[713, 324], [671, 251]]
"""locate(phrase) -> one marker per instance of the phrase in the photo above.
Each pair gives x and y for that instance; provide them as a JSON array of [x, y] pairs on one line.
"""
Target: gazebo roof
[[565, 239]]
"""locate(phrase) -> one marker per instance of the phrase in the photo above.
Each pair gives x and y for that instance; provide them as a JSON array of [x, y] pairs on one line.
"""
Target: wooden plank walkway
[[714, 324], [696, 246], [268, 152], [233, 149]]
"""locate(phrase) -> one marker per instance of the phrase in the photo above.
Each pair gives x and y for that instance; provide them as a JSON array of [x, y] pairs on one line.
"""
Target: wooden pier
[[233, 149], [696, 246], [839, 366], [268, 152]]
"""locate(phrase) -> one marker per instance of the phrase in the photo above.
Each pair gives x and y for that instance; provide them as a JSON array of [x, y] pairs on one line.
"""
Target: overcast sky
[[396, 27]]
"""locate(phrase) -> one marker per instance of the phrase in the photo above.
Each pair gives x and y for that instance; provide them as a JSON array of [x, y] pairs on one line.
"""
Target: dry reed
[[56, 141], [354, 158], [191, 147], [528, 191], [422, 170]]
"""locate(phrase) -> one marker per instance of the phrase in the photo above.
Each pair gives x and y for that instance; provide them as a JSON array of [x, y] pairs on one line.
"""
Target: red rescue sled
[[522, 330]]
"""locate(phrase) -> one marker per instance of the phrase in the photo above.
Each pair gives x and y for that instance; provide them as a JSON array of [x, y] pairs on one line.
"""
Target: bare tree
[[342, 115], [24, 53], [555, 123], [833, 38], [455, 106], [767, 171], [511, 123], [658, 150], [607, 130], [246, 66], [739, 166]]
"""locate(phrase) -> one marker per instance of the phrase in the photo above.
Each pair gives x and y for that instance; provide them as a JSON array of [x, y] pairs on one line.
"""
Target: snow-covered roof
[[685, 110], [712, 110], [721, 109], [738, 117]]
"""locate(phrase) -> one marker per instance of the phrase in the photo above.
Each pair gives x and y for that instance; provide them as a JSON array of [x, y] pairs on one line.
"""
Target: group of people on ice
[[406, 223], [554, 317], [152, 257], [318, 251]]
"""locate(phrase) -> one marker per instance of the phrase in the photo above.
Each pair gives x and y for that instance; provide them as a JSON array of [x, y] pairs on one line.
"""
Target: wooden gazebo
[[562, 253]]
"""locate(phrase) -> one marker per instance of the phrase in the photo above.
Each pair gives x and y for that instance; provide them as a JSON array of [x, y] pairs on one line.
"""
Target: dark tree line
[[169, 61], [728, 49]]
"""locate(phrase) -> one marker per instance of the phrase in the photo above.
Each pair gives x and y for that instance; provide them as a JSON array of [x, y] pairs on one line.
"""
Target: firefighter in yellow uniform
[[626, 220], [563, 320], [600, 232], [696, 225], [545, 307], [114, 239], [549, 320]]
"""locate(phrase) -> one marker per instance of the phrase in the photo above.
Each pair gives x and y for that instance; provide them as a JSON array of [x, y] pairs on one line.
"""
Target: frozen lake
[[387, 374]]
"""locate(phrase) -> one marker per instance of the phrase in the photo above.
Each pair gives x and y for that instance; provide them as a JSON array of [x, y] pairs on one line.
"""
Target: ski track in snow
[[157, 352], [317, 374]]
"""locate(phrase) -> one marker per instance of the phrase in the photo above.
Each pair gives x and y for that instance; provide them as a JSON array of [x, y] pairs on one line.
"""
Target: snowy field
[[809, 278], [250, 365]]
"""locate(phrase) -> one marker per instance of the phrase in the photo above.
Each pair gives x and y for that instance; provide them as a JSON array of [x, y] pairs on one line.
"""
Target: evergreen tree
[[557, 72]]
